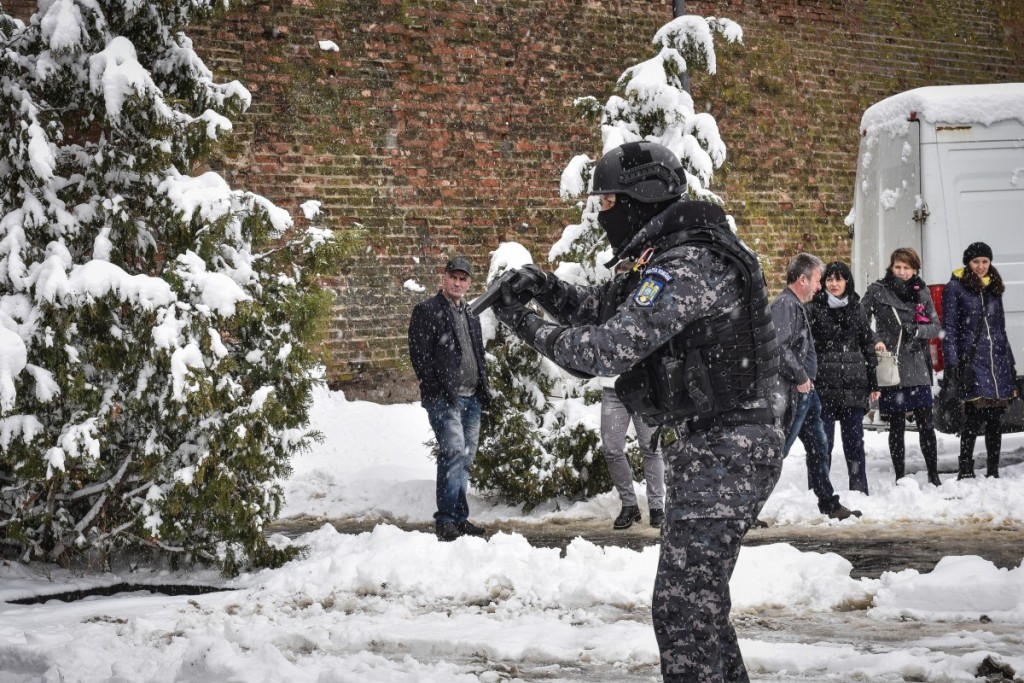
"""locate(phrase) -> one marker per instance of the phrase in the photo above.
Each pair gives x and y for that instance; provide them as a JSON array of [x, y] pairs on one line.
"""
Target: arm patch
[[651, 287]]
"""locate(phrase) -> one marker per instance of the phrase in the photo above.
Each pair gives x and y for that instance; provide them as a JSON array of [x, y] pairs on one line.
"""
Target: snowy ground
[[397, 606]]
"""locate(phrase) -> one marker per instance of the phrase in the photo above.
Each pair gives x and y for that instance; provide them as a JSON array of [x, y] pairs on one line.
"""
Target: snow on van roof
[[953, 104]]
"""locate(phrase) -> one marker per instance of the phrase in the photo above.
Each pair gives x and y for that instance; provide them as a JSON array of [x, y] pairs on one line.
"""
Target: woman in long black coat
[[845, 344], [972, 316]]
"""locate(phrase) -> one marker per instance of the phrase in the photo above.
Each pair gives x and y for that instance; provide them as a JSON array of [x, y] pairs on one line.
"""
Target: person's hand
[[805, 387], [529, 281], [880, 347], [910, 330], [510, 308], [874, 395]]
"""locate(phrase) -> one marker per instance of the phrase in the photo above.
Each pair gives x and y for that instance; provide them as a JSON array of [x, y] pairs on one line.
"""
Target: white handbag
[[888, 371]]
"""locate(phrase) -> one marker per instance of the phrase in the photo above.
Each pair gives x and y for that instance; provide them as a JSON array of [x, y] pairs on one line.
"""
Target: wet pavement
[[871, 548]]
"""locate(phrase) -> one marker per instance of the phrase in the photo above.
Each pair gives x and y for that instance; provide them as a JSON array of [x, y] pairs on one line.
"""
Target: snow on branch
[[115, 74]]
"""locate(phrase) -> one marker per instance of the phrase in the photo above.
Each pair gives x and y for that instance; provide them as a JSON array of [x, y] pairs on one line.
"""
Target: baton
[[487, 299]]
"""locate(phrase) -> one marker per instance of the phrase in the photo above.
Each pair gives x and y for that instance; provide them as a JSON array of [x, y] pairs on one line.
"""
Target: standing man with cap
[[447, 352]]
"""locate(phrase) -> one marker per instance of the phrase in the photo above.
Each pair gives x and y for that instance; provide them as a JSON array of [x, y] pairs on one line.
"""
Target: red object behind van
[[935, 345]]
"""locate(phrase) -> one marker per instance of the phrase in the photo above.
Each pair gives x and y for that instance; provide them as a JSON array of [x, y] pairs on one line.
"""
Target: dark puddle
[[172, 590]]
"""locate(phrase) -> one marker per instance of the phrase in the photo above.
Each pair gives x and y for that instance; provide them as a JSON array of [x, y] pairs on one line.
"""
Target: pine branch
[[102, 500]]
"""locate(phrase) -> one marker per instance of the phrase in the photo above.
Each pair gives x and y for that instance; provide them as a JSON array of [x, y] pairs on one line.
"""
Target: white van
[[941, 167]]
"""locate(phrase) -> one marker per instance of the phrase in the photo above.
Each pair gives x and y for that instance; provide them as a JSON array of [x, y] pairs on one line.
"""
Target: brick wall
[[438, 127], [443, 126], [789, 102]]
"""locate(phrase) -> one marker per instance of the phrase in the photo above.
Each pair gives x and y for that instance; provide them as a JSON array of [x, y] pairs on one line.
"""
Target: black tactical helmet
[[645, 171]]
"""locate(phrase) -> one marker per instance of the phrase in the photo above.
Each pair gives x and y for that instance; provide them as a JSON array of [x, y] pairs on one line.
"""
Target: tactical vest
[[704, 374]]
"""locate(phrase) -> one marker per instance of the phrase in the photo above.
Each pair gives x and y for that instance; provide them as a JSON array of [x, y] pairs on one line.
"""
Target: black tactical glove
[[529, 282], [510, 308]]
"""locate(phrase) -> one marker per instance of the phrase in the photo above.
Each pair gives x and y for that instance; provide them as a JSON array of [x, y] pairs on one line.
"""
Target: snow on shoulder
[[953, 104]]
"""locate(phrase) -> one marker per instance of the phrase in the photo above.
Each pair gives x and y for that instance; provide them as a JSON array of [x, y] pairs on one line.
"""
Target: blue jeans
[[851, 430], [457, 428], [807, 425]]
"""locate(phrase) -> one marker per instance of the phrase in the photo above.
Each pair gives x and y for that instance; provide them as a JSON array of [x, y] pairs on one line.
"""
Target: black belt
[[734, 418], [666, 435]]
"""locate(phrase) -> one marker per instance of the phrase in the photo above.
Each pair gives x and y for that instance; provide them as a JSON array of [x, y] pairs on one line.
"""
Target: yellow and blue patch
[[651, 286]]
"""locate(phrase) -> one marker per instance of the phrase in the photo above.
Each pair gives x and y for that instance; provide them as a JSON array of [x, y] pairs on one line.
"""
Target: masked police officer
[[691, 334]]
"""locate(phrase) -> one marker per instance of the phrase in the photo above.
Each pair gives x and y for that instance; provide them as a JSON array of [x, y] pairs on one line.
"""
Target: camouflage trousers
[[717, 483]]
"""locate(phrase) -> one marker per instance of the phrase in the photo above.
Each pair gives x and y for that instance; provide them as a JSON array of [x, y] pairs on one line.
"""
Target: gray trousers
[[614, 423], [718, 482]]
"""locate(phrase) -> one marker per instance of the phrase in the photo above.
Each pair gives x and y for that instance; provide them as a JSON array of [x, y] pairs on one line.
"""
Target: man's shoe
[[842, 513], [629, 514], [446, 531], [469, 529], [657, 516]]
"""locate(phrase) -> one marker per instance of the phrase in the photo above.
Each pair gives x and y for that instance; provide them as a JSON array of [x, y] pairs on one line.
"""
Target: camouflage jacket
[[679, 286]]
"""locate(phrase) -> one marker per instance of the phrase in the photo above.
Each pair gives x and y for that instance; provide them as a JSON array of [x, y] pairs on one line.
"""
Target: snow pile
[[391, 605]]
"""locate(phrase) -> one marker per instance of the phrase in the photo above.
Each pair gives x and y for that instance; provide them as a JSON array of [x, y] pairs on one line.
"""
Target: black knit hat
[[976, 249]]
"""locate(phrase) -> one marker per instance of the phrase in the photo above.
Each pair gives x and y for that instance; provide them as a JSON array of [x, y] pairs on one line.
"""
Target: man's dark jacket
[[436, 353]]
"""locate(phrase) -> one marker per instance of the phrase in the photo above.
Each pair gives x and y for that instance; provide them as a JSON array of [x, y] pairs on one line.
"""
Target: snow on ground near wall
[[374, 464]]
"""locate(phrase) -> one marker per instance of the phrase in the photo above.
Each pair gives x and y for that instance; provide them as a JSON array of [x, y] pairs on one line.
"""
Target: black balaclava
[[624, 220]]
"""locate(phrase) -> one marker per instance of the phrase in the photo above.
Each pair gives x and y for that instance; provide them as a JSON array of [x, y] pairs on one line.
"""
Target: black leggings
[[925, 435]]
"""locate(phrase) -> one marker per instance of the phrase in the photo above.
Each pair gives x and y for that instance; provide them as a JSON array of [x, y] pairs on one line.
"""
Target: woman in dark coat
[[905, 320], [846, 379], [972, 316]]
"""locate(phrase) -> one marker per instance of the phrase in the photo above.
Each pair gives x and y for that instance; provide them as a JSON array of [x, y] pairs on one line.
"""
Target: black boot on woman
[[966, 469], [966, 459], [897, 425], [993, 445], [930, 451], [993, 466]]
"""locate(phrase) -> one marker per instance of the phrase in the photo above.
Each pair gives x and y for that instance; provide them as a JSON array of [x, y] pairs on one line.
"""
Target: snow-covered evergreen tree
[[649, 103], [533, 435], [155, 326], [535, 443]]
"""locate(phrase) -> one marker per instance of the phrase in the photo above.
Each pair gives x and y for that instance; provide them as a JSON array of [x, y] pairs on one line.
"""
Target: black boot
[[966, 469], [965, 462], [992, 469], [899, 467], [897, 448], [931, 462], [993, 445], [628, 515]]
